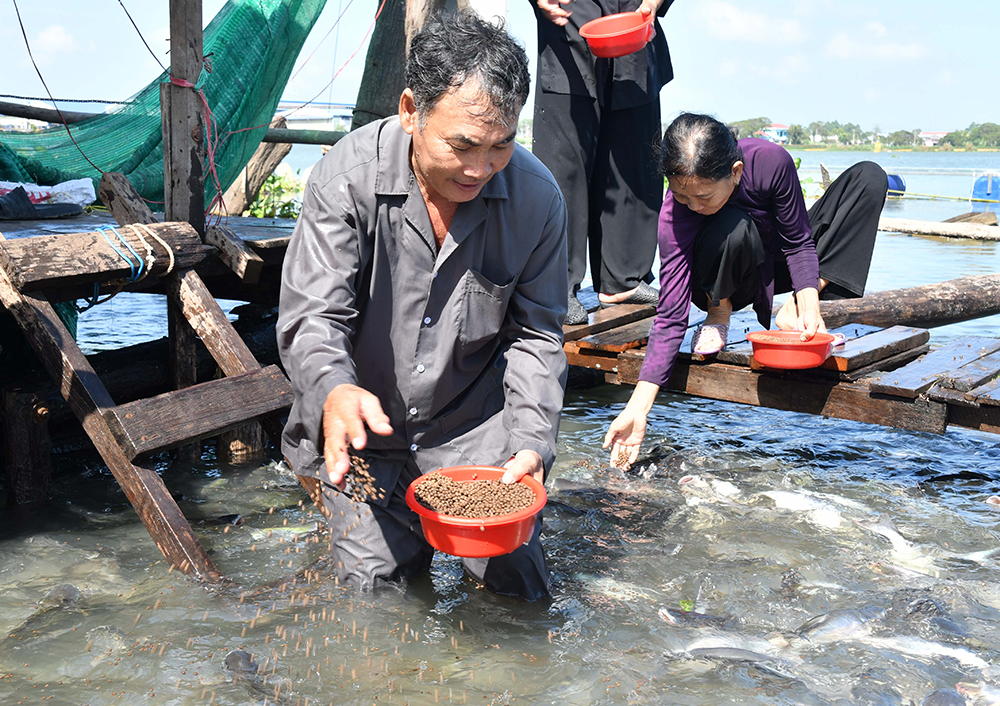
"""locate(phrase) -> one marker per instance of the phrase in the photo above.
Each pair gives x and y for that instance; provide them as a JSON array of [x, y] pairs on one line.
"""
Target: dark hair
[[453, 48], [699, 145]]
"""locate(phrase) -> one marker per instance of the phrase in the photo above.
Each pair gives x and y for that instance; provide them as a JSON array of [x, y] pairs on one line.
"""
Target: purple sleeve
[[676, 233], [796, 241]]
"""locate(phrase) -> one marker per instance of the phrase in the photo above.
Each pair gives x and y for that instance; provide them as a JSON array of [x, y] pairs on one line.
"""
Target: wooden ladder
[[124, 434]]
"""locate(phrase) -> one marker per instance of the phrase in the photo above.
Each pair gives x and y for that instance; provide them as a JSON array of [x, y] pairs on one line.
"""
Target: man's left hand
[[524, 462], [649, 7]]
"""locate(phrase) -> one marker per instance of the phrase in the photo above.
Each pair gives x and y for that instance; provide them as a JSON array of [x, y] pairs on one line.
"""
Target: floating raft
[[887, 376]]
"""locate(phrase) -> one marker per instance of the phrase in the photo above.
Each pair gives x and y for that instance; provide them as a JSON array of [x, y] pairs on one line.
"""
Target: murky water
[[760, 519]]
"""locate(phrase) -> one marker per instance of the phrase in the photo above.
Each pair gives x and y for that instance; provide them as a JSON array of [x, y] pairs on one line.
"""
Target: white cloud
[[864, 45], [54, 39], [945, 77], [728, 22], [877, 28], [788, 70]]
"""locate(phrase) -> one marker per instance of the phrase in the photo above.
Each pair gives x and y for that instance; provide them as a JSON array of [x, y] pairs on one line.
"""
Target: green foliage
[[797, 134], [280, 197], [984, 135], [686, 604], [749, 128], [900, 138]]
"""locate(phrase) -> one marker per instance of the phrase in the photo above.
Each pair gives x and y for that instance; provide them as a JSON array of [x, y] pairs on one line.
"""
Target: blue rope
[[136, 275]]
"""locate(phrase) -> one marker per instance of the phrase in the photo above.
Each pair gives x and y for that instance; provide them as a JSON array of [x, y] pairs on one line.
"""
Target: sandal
[[723, 331]]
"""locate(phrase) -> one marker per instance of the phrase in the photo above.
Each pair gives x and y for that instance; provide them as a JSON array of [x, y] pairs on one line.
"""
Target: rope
[[161, 241], [127, 14], [137, 274], [62, 100]]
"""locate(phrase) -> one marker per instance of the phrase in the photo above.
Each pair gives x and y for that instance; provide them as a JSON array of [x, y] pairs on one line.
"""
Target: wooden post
[[385, 68], [262, 164], [26, 446], [183, 172]]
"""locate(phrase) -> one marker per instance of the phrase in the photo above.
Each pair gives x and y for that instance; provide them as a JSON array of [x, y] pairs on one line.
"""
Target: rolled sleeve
[[535, 375], [317, 303]]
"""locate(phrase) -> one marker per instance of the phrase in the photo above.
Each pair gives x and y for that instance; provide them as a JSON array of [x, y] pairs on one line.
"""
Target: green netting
[[254, 44]]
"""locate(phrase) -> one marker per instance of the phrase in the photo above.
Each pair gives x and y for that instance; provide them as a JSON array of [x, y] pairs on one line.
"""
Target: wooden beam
[[297, 136], [925, 306], [917, 377], [169, 420], [83, 391], [948, 230], [123, 201], [235, 253], [24, 440], [51, 261], [794, 392], [605, 319]]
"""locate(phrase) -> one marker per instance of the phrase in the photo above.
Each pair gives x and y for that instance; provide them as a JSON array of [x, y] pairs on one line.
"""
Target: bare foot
[[787, 318], [616, 298]]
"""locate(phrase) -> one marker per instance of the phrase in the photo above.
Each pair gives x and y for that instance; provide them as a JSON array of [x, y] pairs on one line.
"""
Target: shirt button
[[421, 368], [427, 320], [413, 411], [413, 447]]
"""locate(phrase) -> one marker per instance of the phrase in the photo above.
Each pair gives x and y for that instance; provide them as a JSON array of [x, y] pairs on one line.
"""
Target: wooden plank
[[986, 218], [860, 352], [886, 364], [50, 261], [199, 308], [948, 230], [197, 412], [592, 358], [795, 393], [604, 319], [950, 396], [87, 397], [234, 253], [917, 377], [985, 418], [123, 201], [620, 338], [973, 374], [987, 394], [25, 446]]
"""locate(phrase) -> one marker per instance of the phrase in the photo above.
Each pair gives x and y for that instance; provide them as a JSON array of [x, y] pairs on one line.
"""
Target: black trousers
[[605, 163], [729, 253]]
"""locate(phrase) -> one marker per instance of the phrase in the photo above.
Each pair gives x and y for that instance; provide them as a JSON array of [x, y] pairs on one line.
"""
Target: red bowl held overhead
[[617, 35], [786, 350], [477, 536]]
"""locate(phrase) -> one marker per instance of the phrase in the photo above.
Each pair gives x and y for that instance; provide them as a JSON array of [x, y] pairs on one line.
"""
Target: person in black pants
[[597, 129]]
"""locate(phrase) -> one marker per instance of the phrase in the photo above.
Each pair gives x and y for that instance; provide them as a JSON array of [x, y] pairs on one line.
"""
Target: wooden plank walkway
[[887, 376]]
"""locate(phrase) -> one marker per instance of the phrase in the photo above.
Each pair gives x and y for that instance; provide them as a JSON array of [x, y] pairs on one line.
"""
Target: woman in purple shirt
[[733, 231]]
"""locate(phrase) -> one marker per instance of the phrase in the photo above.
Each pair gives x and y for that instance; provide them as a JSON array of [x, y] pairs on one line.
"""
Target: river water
[[758, 518]]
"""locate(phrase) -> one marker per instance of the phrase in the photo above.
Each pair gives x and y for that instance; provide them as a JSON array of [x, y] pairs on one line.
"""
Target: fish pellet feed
[[475, 498]]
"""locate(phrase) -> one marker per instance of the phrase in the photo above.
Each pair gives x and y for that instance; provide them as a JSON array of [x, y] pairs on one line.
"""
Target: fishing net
[[253, 46]]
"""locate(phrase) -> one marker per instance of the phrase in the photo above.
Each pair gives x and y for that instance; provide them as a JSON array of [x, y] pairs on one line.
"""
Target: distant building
[[12, 124], [317, 116], [930, 139], [775, 133]]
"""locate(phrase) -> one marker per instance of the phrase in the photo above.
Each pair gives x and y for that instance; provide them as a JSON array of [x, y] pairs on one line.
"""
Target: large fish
[[980, 693], [838, 625]]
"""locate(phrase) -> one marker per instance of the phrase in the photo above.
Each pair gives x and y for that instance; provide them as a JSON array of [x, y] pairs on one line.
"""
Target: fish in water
[[944, 697], [606, 587], [688, 618], [701, 489], [47, 620], [814, 509], [918, 647], [730, 647], [840, 624], [913, 556], [242, 668], [980, 693]]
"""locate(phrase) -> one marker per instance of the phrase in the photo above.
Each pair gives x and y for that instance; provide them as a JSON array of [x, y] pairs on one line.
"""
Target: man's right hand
[[348, 408], [552, 9]]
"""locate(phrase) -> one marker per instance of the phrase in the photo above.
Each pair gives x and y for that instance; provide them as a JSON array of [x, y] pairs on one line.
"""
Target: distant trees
[[797, 134], [984, 135], [900, 138], [749, 128]]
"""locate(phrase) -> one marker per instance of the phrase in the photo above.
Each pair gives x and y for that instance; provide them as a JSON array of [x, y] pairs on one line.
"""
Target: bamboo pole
[[948, 230]]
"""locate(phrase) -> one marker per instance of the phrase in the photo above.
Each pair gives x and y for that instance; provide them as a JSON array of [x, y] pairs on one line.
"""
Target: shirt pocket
[[484, 307]]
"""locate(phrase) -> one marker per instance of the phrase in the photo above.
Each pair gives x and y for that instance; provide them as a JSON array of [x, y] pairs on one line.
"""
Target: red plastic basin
[[477, 537], [618, 35], [790, 353]]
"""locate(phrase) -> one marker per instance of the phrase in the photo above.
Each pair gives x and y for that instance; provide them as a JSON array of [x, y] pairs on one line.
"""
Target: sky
[[886, 65]]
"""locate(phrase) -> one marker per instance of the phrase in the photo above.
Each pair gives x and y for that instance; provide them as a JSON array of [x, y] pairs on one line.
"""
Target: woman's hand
[[553, 11], [809, 320], [626, 433], [649, 7]]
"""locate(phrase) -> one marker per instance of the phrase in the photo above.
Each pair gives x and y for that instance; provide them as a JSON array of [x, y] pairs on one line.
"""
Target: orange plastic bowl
[[618, 35], [790, 353], [477, 537]]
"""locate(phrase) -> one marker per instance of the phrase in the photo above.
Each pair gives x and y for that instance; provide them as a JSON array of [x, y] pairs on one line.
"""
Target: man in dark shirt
[[597, 128], [422, 296]]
